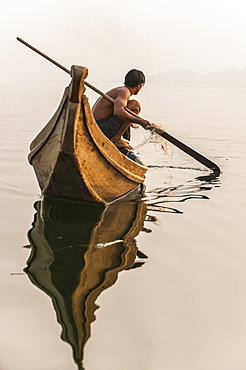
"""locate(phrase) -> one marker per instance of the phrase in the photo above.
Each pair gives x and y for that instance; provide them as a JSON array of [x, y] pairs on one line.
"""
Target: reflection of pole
[[102, 245]]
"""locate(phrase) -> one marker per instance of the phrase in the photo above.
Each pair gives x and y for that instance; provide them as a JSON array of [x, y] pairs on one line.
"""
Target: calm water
[[183, 307]]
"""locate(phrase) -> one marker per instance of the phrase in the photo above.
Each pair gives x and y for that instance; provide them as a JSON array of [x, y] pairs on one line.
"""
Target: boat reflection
[[77, 251]]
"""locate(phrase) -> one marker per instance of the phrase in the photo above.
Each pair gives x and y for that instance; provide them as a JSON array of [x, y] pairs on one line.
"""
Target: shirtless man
[[113, 119]]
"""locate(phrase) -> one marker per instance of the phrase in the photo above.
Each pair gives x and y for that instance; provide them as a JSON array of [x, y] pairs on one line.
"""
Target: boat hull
[[73, 159]]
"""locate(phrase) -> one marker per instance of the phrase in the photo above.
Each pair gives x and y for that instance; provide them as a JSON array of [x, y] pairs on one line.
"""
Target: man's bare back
[[103, 109]]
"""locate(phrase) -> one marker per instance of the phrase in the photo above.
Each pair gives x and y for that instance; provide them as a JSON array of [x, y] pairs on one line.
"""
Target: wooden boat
[[77, 251], [73, 159]]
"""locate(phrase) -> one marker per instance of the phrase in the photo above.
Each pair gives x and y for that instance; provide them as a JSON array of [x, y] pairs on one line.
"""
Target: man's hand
[[146, 124], [134, 125]]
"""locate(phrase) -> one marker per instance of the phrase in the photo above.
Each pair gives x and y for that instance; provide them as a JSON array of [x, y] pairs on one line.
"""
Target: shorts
[[110, 126]]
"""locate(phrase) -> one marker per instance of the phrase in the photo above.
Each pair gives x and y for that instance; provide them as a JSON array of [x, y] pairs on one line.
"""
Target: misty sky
[[110, 37]]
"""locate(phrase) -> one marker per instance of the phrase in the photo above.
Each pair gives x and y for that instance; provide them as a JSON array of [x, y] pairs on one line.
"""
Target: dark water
[[158, 284]]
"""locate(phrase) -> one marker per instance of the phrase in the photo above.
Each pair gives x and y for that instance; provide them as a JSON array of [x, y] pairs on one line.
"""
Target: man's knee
[[134, 106]]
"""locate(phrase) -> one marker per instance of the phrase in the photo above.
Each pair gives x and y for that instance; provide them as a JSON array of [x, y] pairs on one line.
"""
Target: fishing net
[[159, 141]]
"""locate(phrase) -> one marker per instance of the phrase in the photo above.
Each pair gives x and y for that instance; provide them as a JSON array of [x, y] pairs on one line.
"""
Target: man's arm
[[120, 104]]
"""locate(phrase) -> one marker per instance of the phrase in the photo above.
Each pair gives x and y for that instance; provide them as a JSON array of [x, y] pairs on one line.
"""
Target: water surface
[[181, 308]]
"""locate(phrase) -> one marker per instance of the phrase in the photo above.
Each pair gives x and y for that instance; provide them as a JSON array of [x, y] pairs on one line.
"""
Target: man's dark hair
[[134, 77]]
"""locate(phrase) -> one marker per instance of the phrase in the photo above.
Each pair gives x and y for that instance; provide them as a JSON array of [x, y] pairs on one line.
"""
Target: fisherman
[[113, 119]]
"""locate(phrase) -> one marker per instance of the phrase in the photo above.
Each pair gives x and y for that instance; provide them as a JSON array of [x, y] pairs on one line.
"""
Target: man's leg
[[117, 139]]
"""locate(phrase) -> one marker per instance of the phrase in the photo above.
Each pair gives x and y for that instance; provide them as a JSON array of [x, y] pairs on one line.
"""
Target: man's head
[[134, 78]]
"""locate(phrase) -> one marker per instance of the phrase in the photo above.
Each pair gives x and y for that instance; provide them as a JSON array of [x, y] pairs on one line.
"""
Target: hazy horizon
[[112, 37], [229, 77]]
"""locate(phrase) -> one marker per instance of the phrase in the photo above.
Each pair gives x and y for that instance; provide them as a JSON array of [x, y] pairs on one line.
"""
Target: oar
[[199, 157], [185, 148]]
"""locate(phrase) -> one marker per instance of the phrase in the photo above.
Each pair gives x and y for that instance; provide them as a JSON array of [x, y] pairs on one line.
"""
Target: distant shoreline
[[229, 77]]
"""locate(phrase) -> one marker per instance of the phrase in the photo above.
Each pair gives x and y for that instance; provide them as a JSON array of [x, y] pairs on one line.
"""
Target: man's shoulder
[[119, 91], [118, 88]]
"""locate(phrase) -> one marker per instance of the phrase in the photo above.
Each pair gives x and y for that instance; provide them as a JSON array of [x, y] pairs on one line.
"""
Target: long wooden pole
[[185, 148]]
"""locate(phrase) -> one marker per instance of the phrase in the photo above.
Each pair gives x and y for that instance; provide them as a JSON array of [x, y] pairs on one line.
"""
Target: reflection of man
[[113, 119]]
